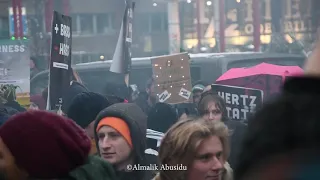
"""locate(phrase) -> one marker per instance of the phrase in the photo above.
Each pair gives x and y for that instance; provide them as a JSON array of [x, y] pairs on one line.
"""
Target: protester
[[160, 118], [76, 87], [198, 149], [213, 108], [34, 69], [42, 145], [197, 90], [186, 109], [84, 109], [148, 98], [282, 142], [121, 139], [39, 101]]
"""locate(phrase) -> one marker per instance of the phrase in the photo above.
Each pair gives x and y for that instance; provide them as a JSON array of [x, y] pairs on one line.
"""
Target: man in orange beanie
[[121, 139]]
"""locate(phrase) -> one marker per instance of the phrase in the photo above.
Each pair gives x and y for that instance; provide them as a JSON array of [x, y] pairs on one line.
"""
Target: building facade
[[96, 24]]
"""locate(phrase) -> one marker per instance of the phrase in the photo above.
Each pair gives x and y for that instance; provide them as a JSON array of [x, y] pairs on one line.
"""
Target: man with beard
[[147, 98]]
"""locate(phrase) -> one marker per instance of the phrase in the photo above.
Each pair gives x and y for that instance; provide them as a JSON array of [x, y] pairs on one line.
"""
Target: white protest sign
[[184, 93]]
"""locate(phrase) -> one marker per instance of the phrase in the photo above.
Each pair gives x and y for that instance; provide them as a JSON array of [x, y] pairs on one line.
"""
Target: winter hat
[[75, 89], [198, 87], [85, 107], [46, 145], [118, 124], [118, 89], [161, 117]]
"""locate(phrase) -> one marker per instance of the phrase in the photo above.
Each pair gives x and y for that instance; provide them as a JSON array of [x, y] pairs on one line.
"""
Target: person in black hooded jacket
[[120, 133], [147, 98]]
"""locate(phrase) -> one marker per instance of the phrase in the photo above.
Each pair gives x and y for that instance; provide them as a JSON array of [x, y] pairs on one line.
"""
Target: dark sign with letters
[[60, 62], [240, 102]]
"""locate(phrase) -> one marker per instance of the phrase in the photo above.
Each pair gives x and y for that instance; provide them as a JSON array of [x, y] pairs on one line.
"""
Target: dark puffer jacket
[[137, 123]]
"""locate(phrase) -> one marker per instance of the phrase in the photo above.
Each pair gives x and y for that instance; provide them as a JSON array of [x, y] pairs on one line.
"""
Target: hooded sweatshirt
[[137, 124], [95, 168]]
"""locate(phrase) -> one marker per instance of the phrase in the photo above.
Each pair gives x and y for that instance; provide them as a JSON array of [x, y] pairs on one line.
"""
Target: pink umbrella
[[264, 76]]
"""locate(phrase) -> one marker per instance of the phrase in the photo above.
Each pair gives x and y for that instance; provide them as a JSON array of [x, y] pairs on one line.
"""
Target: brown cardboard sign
[[172, 78]]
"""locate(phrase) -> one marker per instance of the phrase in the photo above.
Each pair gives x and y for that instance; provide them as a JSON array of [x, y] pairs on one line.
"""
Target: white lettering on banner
[[56, 29], [244, 104], [65, 31], [12, 48], [130, 13], [154, 135], [253, 100], [129, 33], [60, 65], [64, 49]]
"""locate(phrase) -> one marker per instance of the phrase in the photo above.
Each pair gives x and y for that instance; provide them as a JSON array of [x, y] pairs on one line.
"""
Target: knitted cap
[[85, 107], [44, 144], [117, 124]]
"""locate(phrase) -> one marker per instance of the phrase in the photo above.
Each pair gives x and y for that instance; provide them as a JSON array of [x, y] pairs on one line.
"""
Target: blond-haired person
[[200, 146]]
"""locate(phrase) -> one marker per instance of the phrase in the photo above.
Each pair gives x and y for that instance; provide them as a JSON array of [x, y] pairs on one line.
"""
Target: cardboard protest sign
[[172, 78], [240, 102], [60, 62]]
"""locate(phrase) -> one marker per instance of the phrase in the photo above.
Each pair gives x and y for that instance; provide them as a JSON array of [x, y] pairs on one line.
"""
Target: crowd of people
[[104, 136]]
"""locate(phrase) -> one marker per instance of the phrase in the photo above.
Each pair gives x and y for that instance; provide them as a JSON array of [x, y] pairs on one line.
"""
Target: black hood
[[137, 123]]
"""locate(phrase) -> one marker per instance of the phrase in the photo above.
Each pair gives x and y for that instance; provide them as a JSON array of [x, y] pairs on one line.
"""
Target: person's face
[[112, 145], [209, 162], [213, 113], [196, 97]]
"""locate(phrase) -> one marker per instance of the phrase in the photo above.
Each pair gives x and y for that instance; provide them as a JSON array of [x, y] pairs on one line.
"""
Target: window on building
[[104, 23], [156, 22], [165, 22], [141, 23], [74, 23], [4, 27], [86, 23]]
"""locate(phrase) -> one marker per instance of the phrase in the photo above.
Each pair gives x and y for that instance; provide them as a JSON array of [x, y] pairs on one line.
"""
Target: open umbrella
[[264, 76]]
